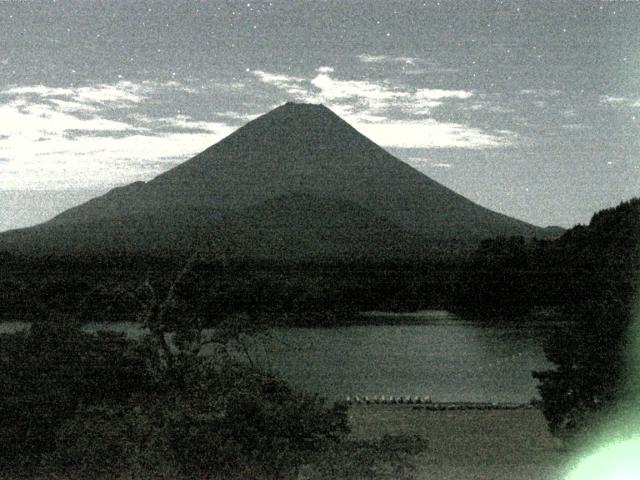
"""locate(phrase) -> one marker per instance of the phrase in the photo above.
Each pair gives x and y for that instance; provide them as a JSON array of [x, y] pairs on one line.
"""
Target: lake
[[432, 353]]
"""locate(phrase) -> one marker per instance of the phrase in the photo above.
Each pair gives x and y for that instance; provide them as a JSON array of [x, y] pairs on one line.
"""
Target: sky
[[529, 108]]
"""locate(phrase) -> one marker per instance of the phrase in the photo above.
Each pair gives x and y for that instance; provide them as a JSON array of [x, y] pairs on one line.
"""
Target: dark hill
[[304, 227], [296, 181]]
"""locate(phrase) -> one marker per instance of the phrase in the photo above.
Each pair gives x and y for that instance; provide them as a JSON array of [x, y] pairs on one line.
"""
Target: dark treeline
[[592, 355], [564, 272], [503, 274], [106, 288]]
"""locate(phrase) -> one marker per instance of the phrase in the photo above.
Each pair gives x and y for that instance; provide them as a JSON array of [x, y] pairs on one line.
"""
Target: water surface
[[437, 354]]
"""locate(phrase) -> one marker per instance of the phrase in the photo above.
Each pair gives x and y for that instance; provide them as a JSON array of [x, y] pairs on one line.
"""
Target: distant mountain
[[297, 182]]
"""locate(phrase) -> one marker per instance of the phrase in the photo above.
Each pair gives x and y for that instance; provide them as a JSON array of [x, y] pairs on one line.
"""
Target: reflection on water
[[450, 360], [440, 355]]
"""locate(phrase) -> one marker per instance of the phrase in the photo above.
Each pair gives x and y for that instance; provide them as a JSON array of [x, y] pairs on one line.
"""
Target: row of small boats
[[391, 399]]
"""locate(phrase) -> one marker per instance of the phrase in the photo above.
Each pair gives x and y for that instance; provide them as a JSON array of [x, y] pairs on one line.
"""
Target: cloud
[[40, 90], [240, 116], [104, 161], [613, 100], [121, 92], [25, 119], [407, 65], [72, 107], [375, 95], [89, 137], [616, 100], [97, 136], [430, 133], [187, 123], [294, 86], [439, 94], [85, 161], [391, 115], [421, 162], [365, 58], [541, 92]]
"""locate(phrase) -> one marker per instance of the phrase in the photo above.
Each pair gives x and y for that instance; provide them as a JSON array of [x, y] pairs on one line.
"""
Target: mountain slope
[[294, 150]]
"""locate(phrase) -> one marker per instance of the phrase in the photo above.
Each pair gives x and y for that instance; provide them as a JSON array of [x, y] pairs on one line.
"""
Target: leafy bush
[[234, 417], [46, 373]]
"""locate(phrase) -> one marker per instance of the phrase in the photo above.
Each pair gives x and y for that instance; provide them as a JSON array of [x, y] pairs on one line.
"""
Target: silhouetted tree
[[590, 354]]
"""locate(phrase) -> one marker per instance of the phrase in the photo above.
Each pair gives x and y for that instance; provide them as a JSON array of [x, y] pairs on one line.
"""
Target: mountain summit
[[246, 191]]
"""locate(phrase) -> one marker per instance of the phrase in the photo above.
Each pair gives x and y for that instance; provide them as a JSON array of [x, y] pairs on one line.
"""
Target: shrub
[[49, 371]]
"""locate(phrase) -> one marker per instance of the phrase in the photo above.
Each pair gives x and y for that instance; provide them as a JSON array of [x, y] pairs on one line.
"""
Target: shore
[[469, 444]]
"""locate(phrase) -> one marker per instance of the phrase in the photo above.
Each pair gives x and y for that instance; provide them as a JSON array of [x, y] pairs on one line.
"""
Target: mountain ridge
[[296, 149]]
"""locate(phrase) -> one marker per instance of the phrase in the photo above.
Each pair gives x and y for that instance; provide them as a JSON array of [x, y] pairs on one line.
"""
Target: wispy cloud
[[91, 136], [372, 94], [439, 94], [365, 58], [430, 133], [407, 65], [541, 92], [22, 118], [327, 88], [421, 162], [122, 92], [619, 101], [613, 100], [238, 116], [390, 114], [96, 136], [292, 85]]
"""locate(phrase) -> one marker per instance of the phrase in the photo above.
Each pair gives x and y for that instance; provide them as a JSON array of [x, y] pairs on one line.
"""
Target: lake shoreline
[[437, 406], [489, 317], [435, 355]]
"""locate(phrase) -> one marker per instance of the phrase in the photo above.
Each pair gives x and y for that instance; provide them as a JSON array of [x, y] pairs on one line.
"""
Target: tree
[[224, 416], [86, 404], [591, 354], [589, 377]]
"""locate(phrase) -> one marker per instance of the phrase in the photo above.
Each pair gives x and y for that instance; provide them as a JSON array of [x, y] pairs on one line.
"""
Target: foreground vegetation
[[99, 404], [597, 353], [75, 404]]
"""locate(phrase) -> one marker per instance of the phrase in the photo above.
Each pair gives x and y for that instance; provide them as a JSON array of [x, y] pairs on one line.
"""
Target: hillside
[[571, 271]]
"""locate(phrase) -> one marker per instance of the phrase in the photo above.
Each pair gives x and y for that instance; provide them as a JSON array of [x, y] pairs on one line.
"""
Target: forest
[[508, 274]]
